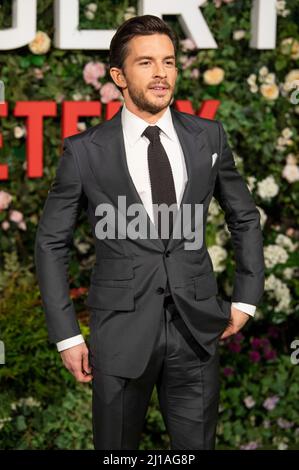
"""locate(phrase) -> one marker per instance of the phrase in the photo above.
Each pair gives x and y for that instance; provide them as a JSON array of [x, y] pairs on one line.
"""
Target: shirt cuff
[[247, 308], [69, 342]]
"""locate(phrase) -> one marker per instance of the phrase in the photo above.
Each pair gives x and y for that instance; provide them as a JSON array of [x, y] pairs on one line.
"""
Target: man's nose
[[160, 70]]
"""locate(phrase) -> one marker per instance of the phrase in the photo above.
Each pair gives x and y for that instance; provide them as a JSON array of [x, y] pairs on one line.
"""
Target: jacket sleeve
[[243, 222], [53, 240]]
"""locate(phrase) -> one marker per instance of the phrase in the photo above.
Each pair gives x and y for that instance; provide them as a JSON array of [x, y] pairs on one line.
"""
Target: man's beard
[[143, 104]]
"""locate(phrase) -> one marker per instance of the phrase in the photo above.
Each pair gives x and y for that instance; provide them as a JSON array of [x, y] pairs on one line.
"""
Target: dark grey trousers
[[187, 387]]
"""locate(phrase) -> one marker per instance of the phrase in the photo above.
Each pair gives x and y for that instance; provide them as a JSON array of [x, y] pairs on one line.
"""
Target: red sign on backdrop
[[36, 111]]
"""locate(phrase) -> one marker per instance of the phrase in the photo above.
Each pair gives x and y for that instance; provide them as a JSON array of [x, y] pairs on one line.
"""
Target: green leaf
[[37, 60], [25, 62], [21, 423]]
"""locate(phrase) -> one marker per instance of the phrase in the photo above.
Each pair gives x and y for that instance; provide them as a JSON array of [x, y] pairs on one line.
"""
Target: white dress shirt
[[136, 154]]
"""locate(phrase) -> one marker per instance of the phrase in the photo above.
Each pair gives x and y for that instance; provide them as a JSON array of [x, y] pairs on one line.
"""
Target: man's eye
[[147, 62]]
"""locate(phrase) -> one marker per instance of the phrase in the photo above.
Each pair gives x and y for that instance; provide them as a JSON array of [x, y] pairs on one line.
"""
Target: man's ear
[[118, 77]]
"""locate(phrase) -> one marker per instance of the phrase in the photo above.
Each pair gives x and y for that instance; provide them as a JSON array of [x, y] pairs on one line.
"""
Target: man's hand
[[75, 360], [236, 322]]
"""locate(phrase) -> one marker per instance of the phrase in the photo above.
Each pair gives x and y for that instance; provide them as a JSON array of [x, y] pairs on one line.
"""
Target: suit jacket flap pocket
[[205, 286], [110, 297]]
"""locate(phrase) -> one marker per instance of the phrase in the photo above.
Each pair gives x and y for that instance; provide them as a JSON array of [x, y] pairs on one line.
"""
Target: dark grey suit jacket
[[128, 278]]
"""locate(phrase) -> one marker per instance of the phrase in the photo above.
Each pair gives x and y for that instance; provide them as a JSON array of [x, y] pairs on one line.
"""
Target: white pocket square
[[214, 158]]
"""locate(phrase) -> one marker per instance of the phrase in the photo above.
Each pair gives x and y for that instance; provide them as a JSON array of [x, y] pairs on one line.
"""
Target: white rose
[[19, 132], [274, 254], [291, 173], [267, 188], [40, 44], [218, 256], [213, 76], [290, 46], [92, 7], [263, 71], [291, 78], [269, 91], [239, 34]]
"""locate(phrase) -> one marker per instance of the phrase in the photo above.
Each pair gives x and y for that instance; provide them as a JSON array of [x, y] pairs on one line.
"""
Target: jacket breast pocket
[[112, 285], [205, 286]]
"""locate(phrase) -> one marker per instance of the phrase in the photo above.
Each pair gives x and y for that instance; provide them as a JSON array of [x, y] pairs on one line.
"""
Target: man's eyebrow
[[149, 57]]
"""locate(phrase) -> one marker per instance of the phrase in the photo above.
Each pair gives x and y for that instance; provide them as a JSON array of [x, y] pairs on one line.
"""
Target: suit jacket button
[[160, 290]]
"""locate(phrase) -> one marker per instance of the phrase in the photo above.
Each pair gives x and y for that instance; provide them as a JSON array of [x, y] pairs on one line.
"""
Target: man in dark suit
[[156, 318]]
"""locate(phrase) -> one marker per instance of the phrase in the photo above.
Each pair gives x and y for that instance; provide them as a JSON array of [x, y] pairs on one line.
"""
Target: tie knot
[[152, 133]]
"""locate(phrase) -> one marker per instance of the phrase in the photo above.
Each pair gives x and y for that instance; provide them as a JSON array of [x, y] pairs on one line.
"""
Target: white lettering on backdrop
[[23, 28], [68, 35]]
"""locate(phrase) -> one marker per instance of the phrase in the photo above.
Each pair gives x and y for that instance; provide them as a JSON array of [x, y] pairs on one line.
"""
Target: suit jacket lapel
[[112, 173], [193, 140]]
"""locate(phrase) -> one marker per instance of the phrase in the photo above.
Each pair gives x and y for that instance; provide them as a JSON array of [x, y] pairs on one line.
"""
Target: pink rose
[[249, 446], [249, 401], [109, 92], [5, 200], [5, 225], [22, 225], [92, 72], [195, 73], [16, 216], [188, 62], [187, 45], [271, 402]]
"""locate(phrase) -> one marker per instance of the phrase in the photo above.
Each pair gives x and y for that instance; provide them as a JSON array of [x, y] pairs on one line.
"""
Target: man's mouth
[[159, 90], [159, 87]]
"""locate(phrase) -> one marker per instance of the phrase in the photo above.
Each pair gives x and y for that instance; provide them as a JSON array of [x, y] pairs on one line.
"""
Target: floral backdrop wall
[[41, 405]]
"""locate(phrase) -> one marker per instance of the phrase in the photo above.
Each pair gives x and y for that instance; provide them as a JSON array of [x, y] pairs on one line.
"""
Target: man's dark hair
[[143, 25]]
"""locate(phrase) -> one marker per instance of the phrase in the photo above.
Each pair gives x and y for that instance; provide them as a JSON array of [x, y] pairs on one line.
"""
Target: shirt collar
[[134, 126]]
